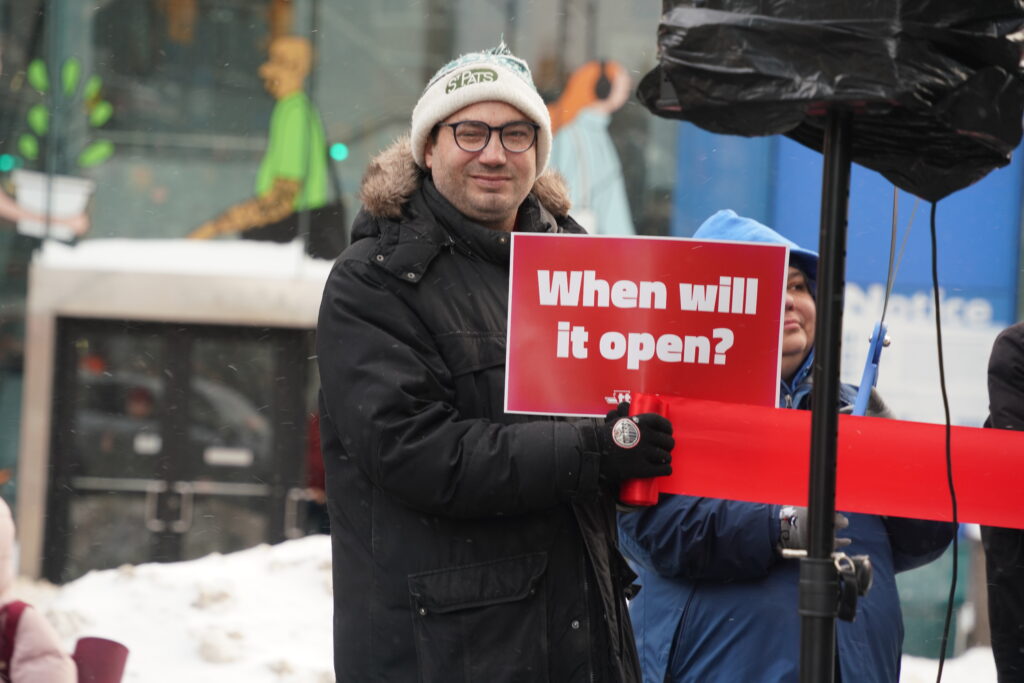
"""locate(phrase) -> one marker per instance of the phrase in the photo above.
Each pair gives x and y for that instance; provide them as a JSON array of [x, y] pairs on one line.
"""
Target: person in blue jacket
[[718, 602]]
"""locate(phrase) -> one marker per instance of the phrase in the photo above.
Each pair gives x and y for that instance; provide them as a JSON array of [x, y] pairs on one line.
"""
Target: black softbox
[[934, 86]]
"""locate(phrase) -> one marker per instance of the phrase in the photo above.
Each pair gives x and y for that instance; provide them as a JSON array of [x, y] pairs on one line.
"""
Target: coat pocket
[[470, 352], [482, 622]]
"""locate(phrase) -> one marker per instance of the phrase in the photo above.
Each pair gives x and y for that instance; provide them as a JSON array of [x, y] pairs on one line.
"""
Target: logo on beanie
[[471, 77]]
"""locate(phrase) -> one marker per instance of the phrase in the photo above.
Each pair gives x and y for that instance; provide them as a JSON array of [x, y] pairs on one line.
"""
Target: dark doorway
[[174, 441]]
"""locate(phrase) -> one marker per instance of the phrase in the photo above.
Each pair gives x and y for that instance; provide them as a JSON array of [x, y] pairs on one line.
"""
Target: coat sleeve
[[390, 396], [702, 538], [38, 656], [916, 542]]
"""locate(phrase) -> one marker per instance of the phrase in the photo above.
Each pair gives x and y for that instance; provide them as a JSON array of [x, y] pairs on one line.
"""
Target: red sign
[[594, 319]]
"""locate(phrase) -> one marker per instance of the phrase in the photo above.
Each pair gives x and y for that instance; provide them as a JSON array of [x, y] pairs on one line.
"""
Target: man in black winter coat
[[1004, 548], [468, 544]]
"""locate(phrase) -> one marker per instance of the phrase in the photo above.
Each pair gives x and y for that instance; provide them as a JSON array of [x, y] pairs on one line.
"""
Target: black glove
[[635, 447], [793, 522]]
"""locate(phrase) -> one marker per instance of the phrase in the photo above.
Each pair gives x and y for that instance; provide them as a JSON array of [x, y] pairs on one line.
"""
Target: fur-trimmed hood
[[392, 177]]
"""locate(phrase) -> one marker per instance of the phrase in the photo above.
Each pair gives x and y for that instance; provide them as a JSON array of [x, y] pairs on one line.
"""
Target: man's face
[[798, 323], [486, 186], [286, 68]]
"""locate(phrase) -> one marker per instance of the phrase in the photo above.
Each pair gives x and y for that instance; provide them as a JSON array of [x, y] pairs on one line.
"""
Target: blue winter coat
[[719, 604]]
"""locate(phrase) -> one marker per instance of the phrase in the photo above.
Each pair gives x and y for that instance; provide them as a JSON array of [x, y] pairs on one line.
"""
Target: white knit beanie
[[491, 75]]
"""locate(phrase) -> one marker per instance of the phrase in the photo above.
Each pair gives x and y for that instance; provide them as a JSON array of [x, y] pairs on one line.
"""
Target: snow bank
[[261, 615]]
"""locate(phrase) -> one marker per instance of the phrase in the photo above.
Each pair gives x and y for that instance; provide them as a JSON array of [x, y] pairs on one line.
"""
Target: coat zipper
[[588, 616]]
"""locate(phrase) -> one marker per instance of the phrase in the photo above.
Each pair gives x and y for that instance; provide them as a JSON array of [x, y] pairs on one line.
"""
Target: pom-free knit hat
[[491, 75]]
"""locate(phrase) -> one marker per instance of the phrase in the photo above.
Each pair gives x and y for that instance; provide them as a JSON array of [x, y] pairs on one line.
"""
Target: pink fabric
[[6, 553], [38, 656]]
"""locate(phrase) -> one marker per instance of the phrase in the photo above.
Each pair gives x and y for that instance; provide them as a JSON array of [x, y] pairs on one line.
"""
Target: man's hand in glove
[[794, 523], [635, 447]]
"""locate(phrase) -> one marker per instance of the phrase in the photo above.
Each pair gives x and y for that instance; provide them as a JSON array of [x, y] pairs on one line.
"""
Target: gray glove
[[794, 526]]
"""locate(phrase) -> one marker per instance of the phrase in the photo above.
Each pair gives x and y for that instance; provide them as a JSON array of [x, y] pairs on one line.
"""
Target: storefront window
[[190, 110]]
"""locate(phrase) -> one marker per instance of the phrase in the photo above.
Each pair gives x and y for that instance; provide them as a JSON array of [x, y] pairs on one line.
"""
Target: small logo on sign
[[625, 433], [617, 397], [471, 77]]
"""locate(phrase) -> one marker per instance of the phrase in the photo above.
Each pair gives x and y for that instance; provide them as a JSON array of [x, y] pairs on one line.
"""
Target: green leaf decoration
[[37, 76], [92, 87], [69, 75], [28, 146], [100, 113], [96, 153], [39, 119]]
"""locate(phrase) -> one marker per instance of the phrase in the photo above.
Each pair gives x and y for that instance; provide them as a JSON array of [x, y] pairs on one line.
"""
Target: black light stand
[[819, 587]]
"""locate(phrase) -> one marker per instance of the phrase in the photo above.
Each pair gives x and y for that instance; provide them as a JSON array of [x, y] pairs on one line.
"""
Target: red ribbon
[[885, 467]]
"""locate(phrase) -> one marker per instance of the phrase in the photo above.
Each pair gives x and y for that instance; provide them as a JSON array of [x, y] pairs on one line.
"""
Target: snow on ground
[[261, 615], [974, 666]]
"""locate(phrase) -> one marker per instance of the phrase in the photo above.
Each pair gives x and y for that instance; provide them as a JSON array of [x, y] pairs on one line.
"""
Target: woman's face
[[798, 323]]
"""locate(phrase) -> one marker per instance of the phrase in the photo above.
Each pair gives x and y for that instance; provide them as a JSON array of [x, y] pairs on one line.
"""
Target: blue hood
[[726, 225]]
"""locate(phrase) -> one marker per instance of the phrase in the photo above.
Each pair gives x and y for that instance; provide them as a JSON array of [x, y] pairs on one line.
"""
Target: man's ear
[[428, 153]]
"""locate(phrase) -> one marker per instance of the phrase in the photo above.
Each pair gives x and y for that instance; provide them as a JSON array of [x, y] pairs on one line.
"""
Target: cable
[[949, 459], [906, 235], [879, 339], [895, 267], [892, 249]]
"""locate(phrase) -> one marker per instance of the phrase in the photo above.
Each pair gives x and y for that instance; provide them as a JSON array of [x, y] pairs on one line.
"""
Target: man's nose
[[493, 152], [790, 301]]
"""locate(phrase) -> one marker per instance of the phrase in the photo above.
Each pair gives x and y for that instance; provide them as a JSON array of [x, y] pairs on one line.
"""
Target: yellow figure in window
[[293, 173]]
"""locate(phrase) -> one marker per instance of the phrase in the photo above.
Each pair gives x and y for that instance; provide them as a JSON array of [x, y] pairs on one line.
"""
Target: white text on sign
[[583, 288], [575, 288]]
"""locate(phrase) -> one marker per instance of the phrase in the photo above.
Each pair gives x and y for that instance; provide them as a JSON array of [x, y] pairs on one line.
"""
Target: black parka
[[468, 544]]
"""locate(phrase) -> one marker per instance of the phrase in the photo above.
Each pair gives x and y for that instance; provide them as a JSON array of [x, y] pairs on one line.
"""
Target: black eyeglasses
[[473, 136]]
